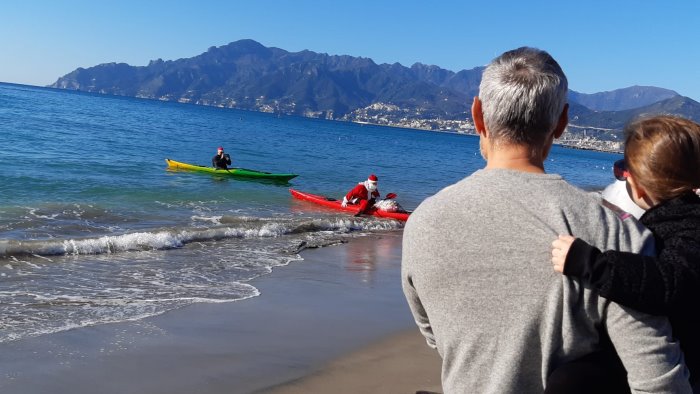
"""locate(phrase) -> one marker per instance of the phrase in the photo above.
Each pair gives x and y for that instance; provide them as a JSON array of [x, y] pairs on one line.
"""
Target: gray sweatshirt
[[477, 274]]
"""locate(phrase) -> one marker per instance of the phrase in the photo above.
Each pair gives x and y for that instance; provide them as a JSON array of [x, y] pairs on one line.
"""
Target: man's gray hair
[[523, 93]]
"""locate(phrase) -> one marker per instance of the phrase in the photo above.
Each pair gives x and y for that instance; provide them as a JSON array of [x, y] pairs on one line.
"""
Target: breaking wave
[[175, 238]]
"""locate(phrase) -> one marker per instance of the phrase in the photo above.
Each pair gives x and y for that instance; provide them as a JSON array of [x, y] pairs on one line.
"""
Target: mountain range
[[247, 75]]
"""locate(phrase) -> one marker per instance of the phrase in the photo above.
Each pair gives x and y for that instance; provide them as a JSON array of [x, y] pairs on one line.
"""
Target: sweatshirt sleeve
[[645, 344], [419, 314], [409, 257], [649, 284]]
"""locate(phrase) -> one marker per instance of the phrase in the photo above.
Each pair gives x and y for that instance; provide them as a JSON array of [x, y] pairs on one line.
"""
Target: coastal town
[[578, 137]]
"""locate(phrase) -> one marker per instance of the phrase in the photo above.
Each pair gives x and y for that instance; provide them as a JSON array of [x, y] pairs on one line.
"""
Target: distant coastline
[[569, 140], [460, 127]]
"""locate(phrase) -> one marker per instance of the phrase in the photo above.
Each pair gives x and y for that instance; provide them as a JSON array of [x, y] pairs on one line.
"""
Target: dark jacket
[[668, 283], [221, 162]]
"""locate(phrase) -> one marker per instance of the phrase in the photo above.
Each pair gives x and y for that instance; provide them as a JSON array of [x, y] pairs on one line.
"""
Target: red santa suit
[[359, 193], [362, 194]]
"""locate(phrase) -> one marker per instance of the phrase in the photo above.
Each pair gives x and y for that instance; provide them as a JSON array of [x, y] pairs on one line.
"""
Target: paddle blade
[[390, 196]]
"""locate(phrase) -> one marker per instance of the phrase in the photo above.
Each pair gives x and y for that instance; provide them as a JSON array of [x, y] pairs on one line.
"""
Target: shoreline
[[341, 304]]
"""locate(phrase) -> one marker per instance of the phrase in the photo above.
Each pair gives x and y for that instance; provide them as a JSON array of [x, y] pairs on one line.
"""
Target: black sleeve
[[655, 285], [228, 159], [581, 259], [213, 161]]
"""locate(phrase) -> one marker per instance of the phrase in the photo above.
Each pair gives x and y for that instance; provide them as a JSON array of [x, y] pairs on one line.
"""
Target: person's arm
[[653, 360], [348, 197], [408, 261], [228, 159], [419, 314], [647, 283], [350, 194], [213, 161]]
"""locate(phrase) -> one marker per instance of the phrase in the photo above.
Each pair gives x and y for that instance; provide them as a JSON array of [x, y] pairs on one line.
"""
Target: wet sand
[[401, 363], [335, 322]]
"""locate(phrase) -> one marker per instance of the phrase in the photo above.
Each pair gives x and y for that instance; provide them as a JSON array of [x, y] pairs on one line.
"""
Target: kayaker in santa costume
[[362, 194]]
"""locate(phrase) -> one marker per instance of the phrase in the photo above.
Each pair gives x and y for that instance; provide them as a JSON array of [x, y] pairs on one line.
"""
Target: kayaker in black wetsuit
[[221, 160]]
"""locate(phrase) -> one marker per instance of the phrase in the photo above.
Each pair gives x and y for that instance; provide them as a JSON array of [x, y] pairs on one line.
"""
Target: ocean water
[[94, 228]]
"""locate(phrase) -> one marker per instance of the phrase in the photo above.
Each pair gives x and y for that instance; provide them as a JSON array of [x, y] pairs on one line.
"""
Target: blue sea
[[94, 229]]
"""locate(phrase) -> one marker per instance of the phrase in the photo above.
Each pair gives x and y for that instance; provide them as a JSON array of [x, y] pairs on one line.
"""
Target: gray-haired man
[[476, 270]]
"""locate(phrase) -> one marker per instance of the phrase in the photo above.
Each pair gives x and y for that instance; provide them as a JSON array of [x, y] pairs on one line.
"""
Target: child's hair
[[663, 155]]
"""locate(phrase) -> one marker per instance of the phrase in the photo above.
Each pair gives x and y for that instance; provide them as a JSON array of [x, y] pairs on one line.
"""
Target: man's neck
[[515, 157]]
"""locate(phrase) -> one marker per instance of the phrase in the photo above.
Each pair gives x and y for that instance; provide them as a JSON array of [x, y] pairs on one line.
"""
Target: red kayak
[[335, 204]]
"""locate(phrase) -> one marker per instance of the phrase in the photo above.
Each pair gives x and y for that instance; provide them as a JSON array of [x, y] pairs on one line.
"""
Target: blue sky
[[601, 45]]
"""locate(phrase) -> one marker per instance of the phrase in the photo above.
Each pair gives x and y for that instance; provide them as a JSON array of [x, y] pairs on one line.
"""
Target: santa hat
[[372, 178]]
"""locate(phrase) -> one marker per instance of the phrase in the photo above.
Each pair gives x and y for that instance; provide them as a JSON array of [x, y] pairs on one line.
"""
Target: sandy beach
[[335, 322]]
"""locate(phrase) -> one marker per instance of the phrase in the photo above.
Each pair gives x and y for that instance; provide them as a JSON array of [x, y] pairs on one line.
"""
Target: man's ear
[[563, 122], [478, 117]]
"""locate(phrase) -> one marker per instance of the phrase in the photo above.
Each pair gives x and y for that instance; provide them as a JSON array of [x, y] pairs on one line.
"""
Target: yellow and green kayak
[[233, 171]]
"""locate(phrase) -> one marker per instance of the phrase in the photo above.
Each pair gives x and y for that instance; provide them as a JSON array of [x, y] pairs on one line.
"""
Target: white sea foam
[[77, 311], [113, 278], [169, 239], [33, 212], [210, 219]]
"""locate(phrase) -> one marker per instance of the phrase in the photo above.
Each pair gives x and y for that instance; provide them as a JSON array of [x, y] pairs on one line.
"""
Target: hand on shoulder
[[560, 249]]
